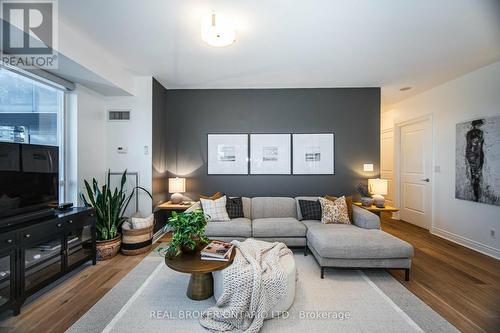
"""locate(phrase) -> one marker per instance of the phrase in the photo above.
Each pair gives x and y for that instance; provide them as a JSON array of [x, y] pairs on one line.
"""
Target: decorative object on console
[[366, 199], [215, 210], [348, 201], [477, 175], [334, 211], [110, 208], [176, 186], [234, 207], [270, 154], [313, 154], [310, 210], [378, 187], [227, 154], [188, 231]]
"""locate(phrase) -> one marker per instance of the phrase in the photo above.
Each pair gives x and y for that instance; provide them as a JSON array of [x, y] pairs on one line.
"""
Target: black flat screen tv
[[29, 180]]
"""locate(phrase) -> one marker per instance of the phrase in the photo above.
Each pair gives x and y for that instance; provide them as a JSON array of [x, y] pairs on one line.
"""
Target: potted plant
[[110, 206], [366, 199], [188, 231]]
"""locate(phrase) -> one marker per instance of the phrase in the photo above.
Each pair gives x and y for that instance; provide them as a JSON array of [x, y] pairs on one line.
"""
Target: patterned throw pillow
[[310, 210], [334, 211], [215, 210], [234, 207], [348, 201]]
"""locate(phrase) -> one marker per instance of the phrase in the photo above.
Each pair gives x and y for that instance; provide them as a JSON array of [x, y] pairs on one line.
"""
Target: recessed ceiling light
[[217, 31], [405, 88]]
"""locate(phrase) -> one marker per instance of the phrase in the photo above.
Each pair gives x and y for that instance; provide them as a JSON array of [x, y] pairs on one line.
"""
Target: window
[[32, 112]]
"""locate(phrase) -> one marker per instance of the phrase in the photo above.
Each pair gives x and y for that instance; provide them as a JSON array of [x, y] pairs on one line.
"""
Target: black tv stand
[[37, 252]]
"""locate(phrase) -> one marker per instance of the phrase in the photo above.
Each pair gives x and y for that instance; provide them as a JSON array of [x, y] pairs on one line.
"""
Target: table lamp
[[176, 186], [378, 188]]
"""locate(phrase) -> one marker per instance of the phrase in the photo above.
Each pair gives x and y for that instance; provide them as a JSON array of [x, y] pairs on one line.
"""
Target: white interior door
[[416, 170]]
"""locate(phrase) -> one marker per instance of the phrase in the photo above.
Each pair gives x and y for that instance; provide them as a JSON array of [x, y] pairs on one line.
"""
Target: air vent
[[118, 115]]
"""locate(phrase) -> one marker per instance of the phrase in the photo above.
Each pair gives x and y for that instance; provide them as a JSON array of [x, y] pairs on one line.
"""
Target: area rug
[[152, 298]]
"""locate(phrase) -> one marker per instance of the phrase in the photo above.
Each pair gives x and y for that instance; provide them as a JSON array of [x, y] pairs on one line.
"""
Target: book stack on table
[[217, 250]]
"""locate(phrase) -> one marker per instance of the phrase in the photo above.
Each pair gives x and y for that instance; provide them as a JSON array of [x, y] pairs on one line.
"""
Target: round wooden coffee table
[[201, 283]]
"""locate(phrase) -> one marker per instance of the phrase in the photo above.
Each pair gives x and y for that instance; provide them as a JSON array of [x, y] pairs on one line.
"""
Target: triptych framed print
[[271, 154]]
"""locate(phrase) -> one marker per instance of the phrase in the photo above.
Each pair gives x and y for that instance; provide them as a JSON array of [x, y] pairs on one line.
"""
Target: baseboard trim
[[469, 243]]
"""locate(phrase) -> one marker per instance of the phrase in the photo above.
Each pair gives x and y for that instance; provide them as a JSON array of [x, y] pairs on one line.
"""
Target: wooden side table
[[164, 211], [201, 283], [376, 210]]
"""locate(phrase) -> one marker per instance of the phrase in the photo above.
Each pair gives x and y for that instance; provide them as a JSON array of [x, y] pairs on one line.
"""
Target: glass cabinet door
[[5, 277], [79, 242], [42, 260]]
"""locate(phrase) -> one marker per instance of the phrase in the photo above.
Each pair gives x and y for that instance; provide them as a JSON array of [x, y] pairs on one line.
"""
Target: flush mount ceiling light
[[217, 31]]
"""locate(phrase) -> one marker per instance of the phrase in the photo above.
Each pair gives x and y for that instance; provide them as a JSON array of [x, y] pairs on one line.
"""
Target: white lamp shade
[[217, 31], [377, 186], [176, 185]]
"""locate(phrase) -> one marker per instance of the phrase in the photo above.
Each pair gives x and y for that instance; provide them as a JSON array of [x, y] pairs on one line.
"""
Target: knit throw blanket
[[253, 285]]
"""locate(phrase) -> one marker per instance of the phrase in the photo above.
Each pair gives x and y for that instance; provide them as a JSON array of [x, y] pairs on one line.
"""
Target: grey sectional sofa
[[278, 219]]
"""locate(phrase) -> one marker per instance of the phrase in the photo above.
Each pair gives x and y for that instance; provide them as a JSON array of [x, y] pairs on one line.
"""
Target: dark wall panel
[[353, 114], [159, 149]]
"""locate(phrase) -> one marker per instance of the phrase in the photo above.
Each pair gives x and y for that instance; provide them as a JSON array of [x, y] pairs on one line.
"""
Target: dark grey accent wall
[[353, 114], [159, 149]]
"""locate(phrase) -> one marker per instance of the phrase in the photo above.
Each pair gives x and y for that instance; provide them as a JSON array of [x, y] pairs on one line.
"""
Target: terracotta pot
[[109, 248]]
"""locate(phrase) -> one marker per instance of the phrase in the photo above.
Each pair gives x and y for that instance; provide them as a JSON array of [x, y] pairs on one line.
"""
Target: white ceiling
[[286, 43]]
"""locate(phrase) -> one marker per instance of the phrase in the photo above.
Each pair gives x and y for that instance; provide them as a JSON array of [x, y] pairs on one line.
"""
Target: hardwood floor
[[460, 284]]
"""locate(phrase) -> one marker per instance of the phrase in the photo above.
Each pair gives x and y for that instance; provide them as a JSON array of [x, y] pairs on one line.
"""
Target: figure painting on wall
[[478, 161]]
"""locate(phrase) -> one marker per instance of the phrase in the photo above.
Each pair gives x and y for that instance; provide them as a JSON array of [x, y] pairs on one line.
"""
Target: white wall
[[474, 95], [135, 135], [85, 139]]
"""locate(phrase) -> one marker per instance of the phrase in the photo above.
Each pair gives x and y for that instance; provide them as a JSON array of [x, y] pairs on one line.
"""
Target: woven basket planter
[[136, 241], [108, 249]]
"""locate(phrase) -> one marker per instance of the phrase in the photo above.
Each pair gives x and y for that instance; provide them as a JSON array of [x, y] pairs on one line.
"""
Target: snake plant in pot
[[110, 206], [188, 231]]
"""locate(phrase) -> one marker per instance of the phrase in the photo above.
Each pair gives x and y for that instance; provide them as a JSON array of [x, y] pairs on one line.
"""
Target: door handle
[[425, 180]]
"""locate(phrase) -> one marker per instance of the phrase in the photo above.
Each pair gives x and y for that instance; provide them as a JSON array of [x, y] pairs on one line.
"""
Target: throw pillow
[[234, 207], [215, 196], [215, 210], [334, 211], [140, 223], [348, 201], [310, 210]]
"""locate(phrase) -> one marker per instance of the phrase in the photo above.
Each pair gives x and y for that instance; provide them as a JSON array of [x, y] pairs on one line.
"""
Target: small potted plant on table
[[188, 231], [110, 206]]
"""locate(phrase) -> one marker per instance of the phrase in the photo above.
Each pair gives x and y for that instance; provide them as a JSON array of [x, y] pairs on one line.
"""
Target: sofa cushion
[[334, 211], [348, 201], [299, 213], [350, 242], [266, 207], [234, 207], [215, 210], [240, 227], [278, 227], [310, 210]]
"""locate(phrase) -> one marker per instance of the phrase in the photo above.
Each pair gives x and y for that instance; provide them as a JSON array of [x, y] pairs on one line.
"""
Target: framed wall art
[[313, 154], [477, 166], [270, 154], [227, 154]]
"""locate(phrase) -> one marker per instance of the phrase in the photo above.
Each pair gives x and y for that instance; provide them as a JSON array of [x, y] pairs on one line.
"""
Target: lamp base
[[176, 198], [378, 201]]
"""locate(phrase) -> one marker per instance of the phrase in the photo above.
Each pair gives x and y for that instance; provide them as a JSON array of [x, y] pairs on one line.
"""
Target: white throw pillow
[[215, 210], [140, 223], [334, 211]]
